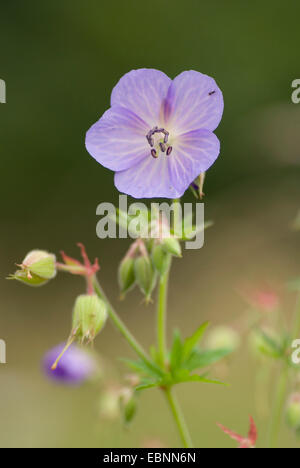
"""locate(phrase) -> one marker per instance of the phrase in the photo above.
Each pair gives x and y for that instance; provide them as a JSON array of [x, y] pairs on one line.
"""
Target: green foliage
[[272, 346], [184, 358]]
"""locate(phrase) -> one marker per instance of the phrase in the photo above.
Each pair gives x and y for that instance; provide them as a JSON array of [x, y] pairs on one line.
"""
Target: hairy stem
[[179, 419], [121, 326], [162, 342]]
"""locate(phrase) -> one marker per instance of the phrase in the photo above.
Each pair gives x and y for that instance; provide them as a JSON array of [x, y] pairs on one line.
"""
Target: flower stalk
[[161, 317]]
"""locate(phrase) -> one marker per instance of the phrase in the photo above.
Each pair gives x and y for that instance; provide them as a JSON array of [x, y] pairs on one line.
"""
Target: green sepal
[[35, 281], [145, 276], [126, 275], [172, 246], [161, 259], [44, 268]]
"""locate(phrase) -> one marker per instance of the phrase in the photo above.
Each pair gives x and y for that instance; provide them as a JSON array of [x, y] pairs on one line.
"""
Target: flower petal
[[194, 152], [149, 179], [142, 91], [118, 139], [194, 101]]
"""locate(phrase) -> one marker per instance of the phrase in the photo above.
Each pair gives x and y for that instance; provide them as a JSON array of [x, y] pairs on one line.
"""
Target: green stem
[[161, 316], [121, 326], [278, 407], [179, 419]]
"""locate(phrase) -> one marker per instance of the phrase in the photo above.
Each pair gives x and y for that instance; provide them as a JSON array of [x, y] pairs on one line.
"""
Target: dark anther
[[211, 93], [162, 147], [169, 150], [153, 153], [152, 132]]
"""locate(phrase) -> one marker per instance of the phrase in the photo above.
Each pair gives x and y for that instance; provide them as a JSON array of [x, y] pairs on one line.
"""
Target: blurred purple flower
[[75, 367], [157, 135]]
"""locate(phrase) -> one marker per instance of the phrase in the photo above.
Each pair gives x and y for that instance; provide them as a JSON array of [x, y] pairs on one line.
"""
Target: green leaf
[[270, 347], [199, 359], [184, 375], [200, 378], [176, 351], [193, 340], [145, 384], [142, 368]]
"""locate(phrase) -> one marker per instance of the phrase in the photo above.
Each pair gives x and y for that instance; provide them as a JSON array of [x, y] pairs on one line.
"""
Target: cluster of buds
[[144, 261], [37, 268]]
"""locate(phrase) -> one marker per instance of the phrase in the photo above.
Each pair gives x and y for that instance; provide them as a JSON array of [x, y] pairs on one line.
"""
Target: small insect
[[211, 93]]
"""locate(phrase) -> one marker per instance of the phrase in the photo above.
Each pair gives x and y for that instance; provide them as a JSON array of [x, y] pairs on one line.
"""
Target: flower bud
[[126, 275], [293, 412], [223, 337], [172, 246], [89, 316], [128, 404], [145, 276], [37, 268], [160, 259]]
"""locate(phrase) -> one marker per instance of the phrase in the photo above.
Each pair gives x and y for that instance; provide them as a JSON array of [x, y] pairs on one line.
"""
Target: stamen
[[154, 153], [152, 132], [211, 93], [169, 150]]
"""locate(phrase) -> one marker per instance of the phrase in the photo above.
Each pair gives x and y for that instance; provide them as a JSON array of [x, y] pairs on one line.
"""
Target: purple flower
[[75, 366], [158, 134]]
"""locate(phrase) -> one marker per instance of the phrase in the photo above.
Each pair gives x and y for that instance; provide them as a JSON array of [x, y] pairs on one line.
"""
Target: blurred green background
[[60, 60]]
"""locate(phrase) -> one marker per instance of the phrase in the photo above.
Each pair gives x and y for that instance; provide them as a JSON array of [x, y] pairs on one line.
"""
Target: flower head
[[158, 134], [75, 367], [244, 442]]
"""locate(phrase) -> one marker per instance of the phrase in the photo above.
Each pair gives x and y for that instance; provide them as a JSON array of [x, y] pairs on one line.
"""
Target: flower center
[[160, 144]]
